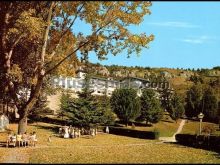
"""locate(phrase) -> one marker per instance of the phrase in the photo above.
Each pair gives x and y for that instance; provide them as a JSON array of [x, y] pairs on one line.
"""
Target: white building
[[101, 86]]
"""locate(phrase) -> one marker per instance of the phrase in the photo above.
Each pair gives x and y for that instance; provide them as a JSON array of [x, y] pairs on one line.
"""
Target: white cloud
[[174, 24], [199, 39]]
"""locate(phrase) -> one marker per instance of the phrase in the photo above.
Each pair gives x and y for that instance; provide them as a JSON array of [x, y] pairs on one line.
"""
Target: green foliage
[[177, 107], [40, 109], [210, 104], [165, 96], [194, 100], [203, 99], [86, 110], [126, 104], [216, 67], [124, 131], [151, 110], [109, 116]]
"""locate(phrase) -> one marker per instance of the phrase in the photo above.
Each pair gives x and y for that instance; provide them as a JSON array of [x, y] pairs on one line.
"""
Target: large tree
[[38, 39], [126, 104], [177, 107], [151, 110], [210, 104], [194, 104], [86, 110]]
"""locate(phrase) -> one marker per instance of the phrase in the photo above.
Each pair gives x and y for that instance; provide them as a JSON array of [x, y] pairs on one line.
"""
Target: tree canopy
[[37, 39], [126, 104], [151, 110]]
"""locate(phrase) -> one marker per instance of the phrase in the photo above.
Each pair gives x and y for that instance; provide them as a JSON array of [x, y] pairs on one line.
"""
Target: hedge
[[133, 133], [211, 142]]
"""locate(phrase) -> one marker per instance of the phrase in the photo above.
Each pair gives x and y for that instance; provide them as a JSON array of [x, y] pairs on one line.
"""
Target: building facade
[[102, 86]]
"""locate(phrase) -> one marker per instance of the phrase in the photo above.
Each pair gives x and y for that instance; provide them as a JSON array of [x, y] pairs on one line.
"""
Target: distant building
[[102, 86]]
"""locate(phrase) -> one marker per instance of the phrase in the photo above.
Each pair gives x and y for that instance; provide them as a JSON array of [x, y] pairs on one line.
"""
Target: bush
[[186, 139], [208, 129], [133, 133], [211, 142]]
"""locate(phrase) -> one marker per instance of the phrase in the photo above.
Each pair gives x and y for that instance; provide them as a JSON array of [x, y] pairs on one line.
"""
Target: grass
[[106, 148], [192, 127], [166, 128]]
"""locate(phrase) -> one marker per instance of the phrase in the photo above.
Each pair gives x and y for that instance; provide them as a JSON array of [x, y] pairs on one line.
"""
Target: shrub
[[211, 142], [208, 129], [133, 133], [186, 139]]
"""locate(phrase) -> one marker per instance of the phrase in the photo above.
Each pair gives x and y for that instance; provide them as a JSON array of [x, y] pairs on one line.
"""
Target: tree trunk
[[24, 111], [22, 125]]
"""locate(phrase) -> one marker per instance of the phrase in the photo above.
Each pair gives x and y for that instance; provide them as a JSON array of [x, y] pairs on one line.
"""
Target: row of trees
[[129, 107], [124, 104], [203, 98]]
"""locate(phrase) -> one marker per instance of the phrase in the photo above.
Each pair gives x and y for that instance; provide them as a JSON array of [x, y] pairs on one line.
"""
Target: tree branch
[[87, 42], [62, 35]]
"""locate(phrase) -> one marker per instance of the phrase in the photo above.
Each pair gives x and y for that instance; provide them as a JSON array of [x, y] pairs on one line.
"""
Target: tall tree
[[126, 104], [38, 39], [151, 110], [194, 104], [210, 103], [85, 110], [177, 107]]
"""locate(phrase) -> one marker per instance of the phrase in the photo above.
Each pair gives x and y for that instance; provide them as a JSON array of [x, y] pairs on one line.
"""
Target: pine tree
[[85, 111]]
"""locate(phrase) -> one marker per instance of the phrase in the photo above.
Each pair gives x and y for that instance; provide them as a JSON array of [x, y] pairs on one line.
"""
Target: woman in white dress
[[66, 132]]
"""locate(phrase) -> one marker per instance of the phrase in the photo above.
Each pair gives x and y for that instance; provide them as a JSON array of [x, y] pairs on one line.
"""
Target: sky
[[187, 35]]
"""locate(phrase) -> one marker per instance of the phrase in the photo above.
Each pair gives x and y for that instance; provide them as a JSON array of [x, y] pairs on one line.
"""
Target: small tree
[[126, 104], [151, 110]]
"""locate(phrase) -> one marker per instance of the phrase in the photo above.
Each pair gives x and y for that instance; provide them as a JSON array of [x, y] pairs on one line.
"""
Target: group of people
[[72, 132], [21, 140]]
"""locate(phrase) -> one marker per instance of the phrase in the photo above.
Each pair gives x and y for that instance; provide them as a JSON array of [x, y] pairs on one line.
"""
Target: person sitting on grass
[[19, 140], [25, 139], [8, 140]]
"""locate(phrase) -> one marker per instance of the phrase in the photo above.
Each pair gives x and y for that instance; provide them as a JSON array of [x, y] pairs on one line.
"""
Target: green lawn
[[166, 128], [192, 127], [107, 148]]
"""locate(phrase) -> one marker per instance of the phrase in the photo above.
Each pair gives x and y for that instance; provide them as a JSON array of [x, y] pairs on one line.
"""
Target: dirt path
[[16, 155], [172, 139]]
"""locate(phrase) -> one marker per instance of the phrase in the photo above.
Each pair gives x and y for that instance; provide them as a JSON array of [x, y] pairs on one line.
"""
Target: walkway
[[172, 139]]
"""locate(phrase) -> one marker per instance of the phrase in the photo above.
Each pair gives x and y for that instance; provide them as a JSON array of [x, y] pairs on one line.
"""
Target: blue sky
[[187, 35]]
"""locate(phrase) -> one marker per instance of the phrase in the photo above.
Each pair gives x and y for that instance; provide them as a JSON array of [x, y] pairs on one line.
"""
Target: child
[[25, 139], [8, 140], [19, 140], [13, 139]]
